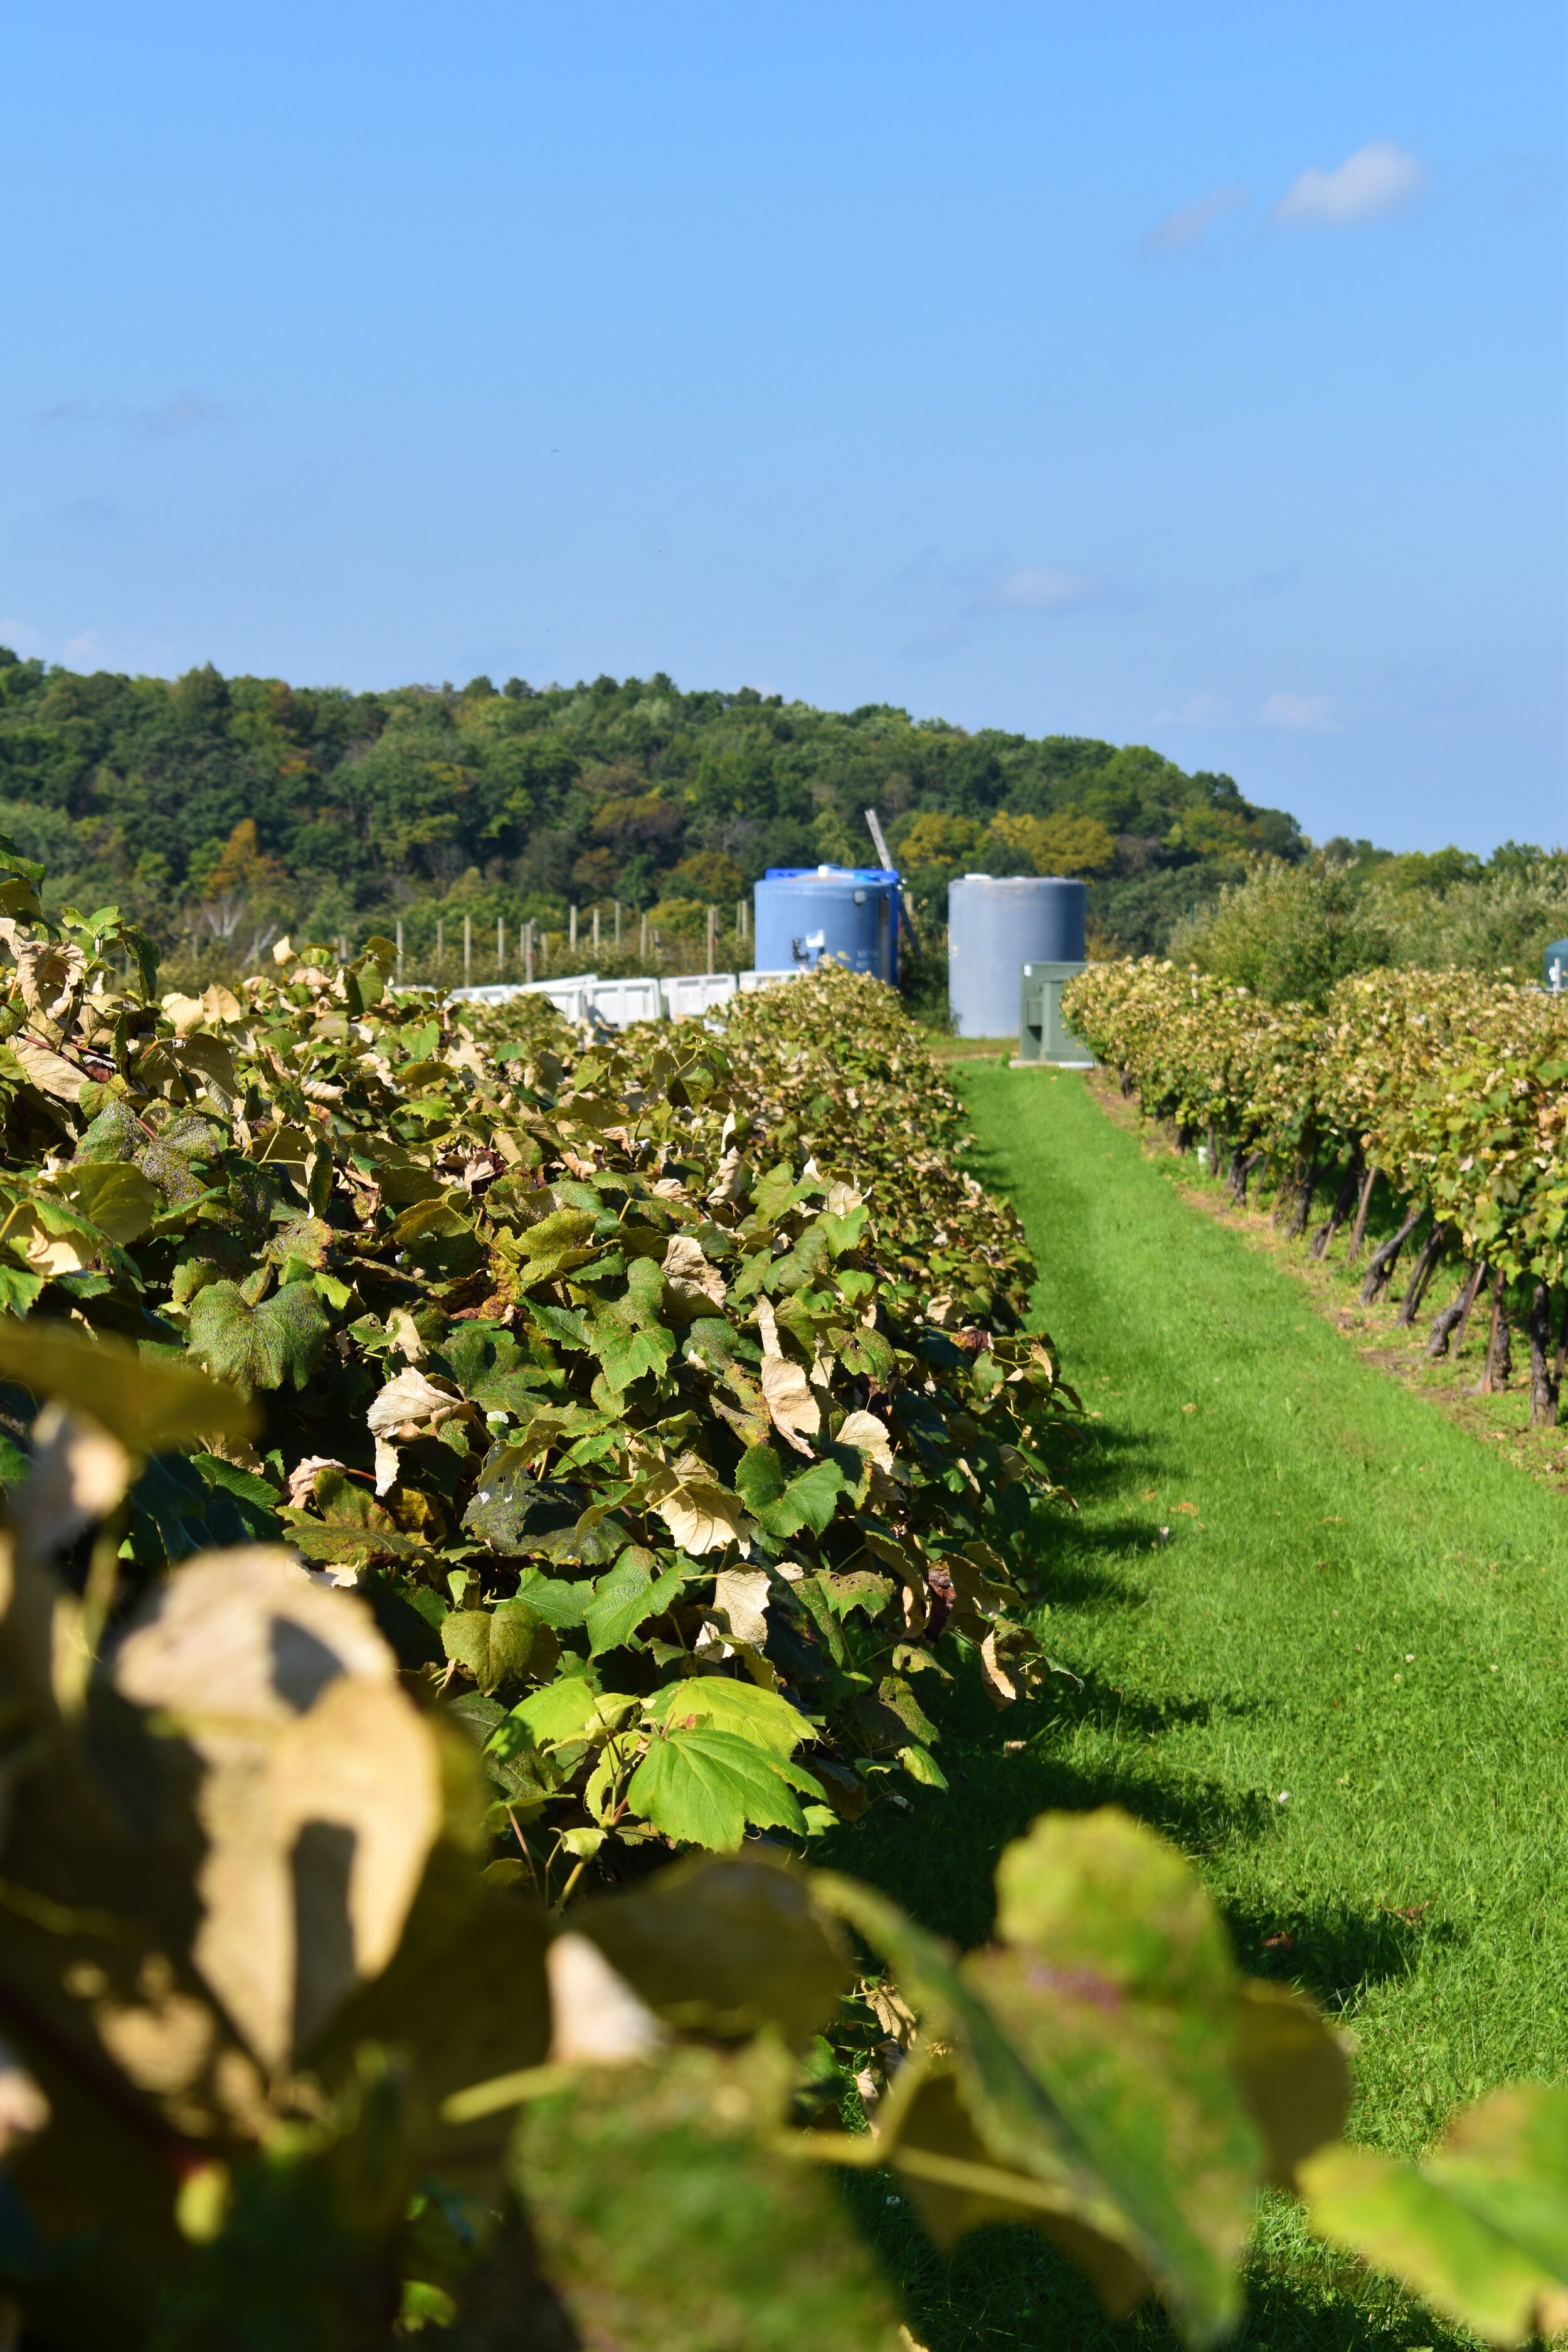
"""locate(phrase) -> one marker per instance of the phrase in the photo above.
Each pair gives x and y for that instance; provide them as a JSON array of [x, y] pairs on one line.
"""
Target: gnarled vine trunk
[[1358, 1234], [1295, 1226], [1452, 1318], [1244, 1165], [1543, 1378], [1432, 1249], [1500, 1345], [1381, 1264], [1345, 1202]]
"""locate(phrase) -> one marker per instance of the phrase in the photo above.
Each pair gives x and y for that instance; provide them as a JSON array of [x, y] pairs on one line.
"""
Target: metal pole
[[400, 950], [529, 928], [596, 933], [617, 922], [874, 826], [467, 950], [642, 937], [500, 947], [440, 945], [712, 934], [573, 939]]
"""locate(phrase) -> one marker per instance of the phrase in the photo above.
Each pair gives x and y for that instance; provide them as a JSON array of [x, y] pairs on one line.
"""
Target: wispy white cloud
[[1303, 713], [1043, 588], [1378, 180], [1190, 224], [186, 411], [1198, 710], [20, 637]]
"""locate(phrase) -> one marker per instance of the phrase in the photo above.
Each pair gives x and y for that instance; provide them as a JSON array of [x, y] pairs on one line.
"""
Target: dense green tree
[[422, 801]]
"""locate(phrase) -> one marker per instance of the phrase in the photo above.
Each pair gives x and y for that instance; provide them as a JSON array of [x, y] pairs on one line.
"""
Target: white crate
[[617, 1001], [752, 981], [569, 996], [696, 993]]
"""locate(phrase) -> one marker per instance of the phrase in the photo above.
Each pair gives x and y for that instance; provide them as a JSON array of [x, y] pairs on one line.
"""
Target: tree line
[[221, 810]]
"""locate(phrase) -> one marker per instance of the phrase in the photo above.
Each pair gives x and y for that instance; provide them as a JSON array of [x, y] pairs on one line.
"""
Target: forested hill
[[208, 803]]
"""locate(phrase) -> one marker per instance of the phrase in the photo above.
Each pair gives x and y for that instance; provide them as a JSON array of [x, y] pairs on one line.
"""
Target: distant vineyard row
[[1446, 1087]]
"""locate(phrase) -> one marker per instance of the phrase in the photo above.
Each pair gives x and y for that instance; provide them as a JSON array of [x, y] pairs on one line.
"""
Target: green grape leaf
[[258, 1347], [556, 1599], [1292, 2072], [628, 1349], [1097, 2052], [703, 1787], [784, 1509], [669, 2221], [116, 1197], [500, 1645], [742, 1708], [626, 1596], [564, 1708], [1479, 2229]]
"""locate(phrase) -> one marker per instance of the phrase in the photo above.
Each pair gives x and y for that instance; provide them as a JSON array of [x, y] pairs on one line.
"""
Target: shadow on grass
[[937, 1854], [1006, 2285], [1333, 1952]]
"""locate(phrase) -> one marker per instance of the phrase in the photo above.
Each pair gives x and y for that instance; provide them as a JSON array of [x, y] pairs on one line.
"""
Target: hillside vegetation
[[214, 808]]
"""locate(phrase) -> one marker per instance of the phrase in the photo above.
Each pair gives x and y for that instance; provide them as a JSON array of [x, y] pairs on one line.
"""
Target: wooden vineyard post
[[572, 943], [712, 937], [467, 950], [500, 947]]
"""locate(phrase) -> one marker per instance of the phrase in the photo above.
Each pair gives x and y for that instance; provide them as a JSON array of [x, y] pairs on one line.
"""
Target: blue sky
[[1181, 373]]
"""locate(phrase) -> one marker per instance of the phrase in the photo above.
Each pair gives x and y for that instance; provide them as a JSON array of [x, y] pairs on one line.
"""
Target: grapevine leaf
[[499, 1645], [626, 1598], [258, 1347], [738, 2245], [115, 1195], [1479, 2230], [703, 1787], [808, 1501], [744, 1708]]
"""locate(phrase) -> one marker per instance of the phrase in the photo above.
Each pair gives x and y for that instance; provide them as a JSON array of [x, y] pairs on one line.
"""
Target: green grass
[[1337, 1684]]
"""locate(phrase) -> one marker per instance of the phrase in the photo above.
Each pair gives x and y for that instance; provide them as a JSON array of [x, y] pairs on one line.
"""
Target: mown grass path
[[1339, 1682]]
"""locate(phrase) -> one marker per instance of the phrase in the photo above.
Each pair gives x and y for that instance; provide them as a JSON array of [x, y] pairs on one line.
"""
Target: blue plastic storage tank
[[1555, 966], [851, 912], [997, 924]]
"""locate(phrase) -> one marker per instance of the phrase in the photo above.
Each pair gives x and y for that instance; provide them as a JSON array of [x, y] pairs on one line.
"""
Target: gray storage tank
[[997, 924], [850, 912]]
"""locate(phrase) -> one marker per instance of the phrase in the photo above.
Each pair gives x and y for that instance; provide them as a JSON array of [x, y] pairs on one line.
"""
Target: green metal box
[[1043, 1034]]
